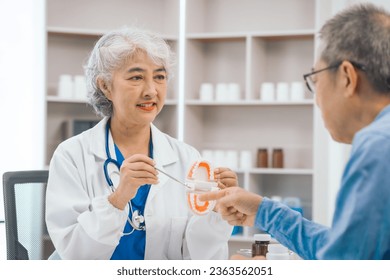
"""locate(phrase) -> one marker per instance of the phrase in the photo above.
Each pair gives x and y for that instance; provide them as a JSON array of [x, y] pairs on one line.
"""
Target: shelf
[[217, 36], [277, 171], [56, 99], [196, 102], [84, 32], [282, 34], [56, 30], [281, 171]]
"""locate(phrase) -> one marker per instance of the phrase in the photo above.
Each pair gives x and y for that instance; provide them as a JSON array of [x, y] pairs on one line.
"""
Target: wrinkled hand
[[236, 205], [225, 177], [137, 170]]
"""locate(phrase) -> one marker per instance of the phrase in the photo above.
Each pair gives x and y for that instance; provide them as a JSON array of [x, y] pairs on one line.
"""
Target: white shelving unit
[[257, 48], [197, 102], [246, 42]]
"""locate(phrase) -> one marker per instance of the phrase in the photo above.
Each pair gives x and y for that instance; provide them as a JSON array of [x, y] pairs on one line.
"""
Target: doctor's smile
[[148, 106]]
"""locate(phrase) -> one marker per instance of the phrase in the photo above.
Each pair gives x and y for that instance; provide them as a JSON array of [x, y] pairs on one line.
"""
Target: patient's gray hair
[[110, 53], [361, 34]]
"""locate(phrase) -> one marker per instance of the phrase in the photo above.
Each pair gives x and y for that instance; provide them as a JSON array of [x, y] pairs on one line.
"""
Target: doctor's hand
[[225, 177], [236, 205], [136, 170]]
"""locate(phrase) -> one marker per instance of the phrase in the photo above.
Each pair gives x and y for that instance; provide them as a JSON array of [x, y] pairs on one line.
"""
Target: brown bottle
[[262, 158], [260, 246], [277, 158]]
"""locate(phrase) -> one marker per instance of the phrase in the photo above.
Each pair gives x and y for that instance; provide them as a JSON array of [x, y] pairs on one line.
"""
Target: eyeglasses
[[309, 81]]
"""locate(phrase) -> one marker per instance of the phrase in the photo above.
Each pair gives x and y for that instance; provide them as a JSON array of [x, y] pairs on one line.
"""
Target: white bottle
[[234, 92], [206, 92], [245, 160], [297, 91], [222, 92], [282, 92], [277, 252], [267, 92], [65, 86], [80, 87]]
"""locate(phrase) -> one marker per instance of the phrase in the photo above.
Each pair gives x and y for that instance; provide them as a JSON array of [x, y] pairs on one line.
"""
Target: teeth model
[[201, 179]]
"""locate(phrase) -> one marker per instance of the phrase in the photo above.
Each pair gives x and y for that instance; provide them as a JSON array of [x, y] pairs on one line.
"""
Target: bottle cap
[[262, 237]]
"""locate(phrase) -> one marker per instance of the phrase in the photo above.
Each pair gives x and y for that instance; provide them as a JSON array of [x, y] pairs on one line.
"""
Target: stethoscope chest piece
[[137, 220]]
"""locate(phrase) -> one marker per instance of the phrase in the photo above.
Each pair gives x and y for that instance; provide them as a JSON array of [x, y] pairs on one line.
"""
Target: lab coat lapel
[[163, 155], [97, 140]]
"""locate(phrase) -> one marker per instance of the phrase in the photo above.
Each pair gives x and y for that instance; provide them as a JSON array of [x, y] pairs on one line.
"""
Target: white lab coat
[[84, 225]]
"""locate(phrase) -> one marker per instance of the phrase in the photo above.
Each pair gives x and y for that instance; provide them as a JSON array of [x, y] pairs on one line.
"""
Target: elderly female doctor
[[143, 215]]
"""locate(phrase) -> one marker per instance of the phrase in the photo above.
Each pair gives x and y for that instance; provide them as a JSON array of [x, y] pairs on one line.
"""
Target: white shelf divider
[[281, 171], [244, 35], [195, 102], [75, 31], [90, 32], [56, 99]]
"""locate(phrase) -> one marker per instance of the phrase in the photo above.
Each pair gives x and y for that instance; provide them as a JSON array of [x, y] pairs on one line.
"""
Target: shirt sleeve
[[360, 227], [290, 228]]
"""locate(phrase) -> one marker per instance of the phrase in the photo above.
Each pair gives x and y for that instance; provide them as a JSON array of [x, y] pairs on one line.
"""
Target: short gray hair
[[110, 53], [360, 34]]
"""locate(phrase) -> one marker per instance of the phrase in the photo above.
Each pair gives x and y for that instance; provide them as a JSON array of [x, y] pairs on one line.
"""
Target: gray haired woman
[[105, 199]]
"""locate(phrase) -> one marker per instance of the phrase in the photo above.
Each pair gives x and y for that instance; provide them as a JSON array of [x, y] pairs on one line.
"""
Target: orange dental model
[[200, 179]]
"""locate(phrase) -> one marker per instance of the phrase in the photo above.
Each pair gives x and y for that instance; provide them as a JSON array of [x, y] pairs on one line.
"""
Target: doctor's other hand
[[225, 177], [236, 205], [136, 170]]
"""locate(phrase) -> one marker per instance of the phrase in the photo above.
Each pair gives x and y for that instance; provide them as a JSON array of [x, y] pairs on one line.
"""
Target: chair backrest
[[24, 205]]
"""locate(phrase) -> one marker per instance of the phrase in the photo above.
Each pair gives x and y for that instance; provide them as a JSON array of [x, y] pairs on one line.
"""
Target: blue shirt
[[132, 246], [361, 222]]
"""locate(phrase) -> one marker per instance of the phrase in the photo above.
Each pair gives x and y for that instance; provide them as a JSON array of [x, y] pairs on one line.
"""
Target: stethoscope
[[137, 221]]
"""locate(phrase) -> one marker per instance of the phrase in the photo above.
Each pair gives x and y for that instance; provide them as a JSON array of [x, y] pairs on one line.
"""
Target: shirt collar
[[163, 153], [385, 111]]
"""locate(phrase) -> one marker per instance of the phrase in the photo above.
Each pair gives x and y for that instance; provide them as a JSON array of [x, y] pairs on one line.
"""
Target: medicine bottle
[[260, 246], [277, 252], [262, 158], [277, 158]]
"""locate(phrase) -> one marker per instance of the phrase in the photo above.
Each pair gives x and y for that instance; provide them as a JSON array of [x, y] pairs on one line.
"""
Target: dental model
[[200, 179]]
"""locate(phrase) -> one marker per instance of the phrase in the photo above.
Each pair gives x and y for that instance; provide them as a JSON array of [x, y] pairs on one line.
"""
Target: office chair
[[24, 204]]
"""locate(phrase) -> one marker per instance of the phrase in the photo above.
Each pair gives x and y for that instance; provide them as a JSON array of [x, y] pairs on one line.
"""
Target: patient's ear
[[350, 78], [103, 86]]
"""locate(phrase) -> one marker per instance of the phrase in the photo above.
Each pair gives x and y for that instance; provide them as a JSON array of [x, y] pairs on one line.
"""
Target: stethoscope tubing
[[111, 185]]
